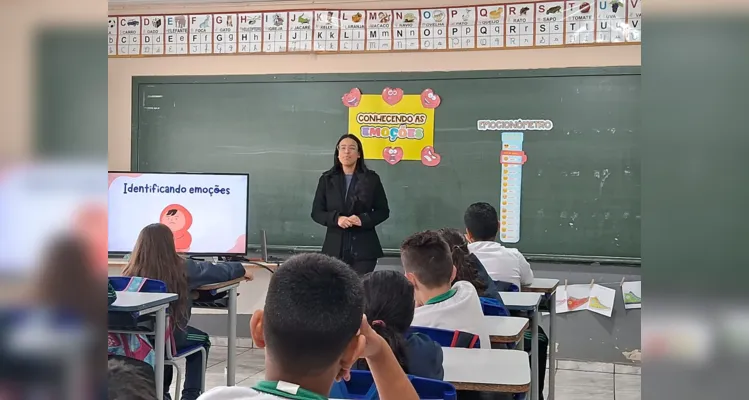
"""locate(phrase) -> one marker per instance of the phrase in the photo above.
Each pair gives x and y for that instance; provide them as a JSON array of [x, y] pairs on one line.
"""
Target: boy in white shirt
[[313, 330], [427, 262], [502, 263]]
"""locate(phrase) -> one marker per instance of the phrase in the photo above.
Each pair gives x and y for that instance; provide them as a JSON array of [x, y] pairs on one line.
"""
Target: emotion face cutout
[[392, 96], [429, 99], [352, 98], [392, 155], [429, 157]]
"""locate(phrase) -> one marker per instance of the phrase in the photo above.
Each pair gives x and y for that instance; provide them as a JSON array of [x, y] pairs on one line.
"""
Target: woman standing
[[350, 201]]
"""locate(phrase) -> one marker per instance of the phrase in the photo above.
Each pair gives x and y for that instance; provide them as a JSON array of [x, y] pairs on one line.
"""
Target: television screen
[[206, 212]]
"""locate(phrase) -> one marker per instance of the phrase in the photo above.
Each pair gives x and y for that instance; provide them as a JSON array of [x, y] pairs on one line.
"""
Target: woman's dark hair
[[465, 271], [360, 165], [389, 307]]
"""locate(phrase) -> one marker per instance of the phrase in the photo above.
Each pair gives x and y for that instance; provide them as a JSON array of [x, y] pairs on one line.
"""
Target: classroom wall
[[122, 70]]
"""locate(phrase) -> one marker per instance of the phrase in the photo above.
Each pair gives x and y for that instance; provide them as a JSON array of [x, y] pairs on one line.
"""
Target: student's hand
[[374, 344], [354, 220], [344, 222], [248, 275]]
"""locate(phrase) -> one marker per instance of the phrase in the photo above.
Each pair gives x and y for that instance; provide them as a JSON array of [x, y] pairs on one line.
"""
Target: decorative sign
[[512, 159], [394, 126], [539, 24]]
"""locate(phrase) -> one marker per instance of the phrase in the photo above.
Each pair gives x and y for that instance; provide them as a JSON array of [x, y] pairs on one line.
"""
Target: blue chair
[[447, 338], [362, 386], [156, 286], [493, 307]]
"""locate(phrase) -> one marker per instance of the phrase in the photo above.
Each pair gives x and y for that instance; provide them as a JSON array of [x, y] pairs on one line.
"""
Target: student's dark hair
[[428, 257], [130, 379], [155, 256], [313, 309], [481, 221], [360, 165], [389, 307], [466, 271]]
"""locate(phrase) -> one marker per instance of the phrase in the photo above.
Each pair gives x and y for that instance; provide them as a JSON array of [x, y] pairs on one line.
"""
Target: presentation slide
[[206, 212]]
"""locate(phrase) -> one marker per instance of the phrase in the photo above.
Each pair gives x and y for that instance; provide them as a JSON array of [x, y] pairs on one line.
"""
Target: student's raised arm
[[392, 383]]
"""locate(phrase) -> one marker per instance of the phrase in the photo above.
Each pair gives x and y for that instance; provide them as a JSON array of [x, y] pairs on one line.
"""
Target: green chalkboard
[[580, 184]]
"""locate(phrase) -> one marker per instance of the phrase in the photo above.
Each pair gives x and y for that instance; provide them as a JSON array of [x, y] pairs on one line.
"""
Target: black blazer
[[366, 199]]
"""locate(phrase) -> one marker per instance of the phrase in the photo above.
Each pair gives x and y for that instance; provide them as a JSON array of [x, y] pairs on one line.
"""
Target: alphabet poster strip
[[512, 159], [540, 24]]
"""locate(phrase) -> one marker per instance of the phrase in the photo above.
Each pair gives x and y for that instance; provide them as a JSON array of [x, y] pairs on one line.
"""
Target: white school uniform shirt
[[457, 310], [245, 393], [503, 263]]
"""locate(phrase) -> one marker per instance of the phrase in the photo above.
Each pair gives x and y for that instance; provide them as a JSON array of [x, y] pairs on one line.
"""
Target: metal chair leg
[[203, 354], [178, 383]]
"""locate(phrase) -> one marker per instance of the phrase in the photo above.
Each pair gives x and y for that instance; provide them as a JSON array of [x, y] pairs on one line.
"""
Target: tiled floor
[[574, 380]]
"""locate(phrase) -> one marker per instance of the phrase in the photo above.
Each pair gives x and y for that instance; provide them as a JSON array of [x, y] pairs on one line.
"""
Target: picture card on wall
[[406, 29], [250, 33], [490, 27], [601, 300], [561, 298], [577, 297], [353, 31], [461, 32], [327, 25], [434, 29], [175, 38], [152, 35], [550, 23], [379, 30], [300, 30], [225, 33], [632, 295], [275, 28], [201, 33]]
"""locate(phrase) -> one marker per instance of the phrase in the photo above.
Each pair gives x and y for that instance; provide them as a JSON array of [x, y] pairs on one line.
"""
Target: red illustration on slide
[[179, 220]]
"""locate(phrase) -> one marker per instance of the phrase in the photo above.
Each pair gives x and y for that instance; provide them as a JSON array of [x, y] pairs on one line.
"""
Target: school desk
[[142, 303], [504, 371], [505, 329], [549, 288], [527, 301]]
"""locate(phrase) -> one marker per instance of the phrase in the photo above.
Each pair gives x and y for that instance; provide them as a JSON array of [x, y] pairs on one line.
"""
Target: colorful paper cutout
[[394, 120], [429, 157], [392, 155], [392, 96], [352, 98], [512, 157]]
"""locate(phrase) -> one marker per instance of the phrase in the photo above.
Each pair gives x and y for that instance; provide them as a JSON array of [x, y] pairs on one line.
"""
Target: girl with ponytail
[[389, 307], [468, 267]]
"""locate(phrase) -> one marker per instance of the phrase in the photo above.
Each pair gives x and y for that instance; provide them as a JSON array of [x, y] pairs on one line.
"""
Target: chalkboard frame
[[139, 81]]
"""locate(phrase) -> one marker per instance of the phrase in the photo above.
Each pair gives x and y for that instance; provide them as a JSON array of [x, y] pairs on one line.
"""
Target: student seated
[[428, 265], [313, 330], [130, 379], [155, 257], [467, 265], [502, 263], [389, 306]]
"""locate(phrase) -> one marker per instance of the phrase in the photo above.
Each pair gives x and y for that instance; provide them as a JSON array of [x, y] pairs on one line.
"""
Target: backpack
[[136, 345]]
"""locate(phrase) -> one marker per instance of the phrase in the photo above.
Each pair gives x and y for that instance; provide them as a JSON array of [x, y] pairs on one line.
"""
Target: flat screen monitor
[[206, 212]]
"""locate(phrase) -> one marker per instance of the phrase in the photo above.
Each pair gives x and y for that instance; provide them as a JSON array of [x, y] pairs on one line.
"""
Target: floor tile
[[585, 366], [627, 387], [627, 369], [580, 385]]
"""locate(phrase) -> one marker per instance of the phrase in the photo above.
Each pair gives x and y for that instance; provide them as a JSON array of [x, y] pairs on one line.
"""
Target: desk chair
[[493, 307], [173, 355], [447, 338], [362, 386]]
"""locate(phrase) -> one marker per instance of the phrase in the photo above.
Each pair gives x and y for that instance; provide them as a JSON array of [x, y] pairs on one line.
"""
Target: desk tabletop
[[542, 285], [138, 301], [121, 262], [505, 329], [506, 371], [522, 301], [221, 285]]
